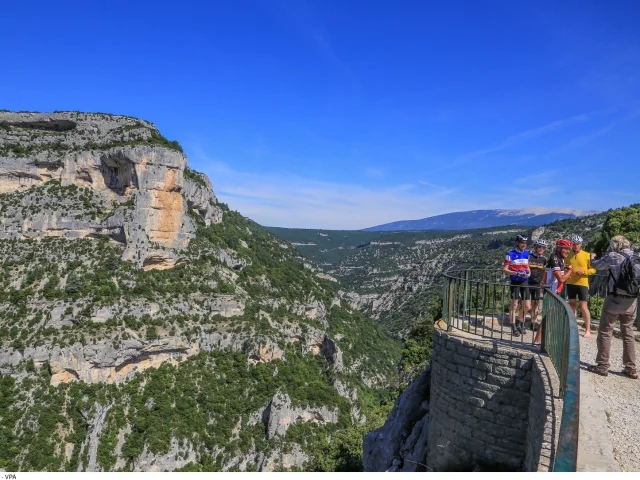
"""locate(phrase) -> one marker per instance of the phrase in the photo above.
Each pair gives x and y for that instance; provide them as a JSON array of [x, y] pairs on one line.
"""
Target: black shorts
[[577, 291], [519, 290], [535, 292]]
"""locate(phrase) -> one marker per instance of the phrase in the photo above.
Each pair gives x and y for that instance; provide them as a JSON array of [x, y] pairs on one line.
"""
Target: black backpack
[[628, 284]]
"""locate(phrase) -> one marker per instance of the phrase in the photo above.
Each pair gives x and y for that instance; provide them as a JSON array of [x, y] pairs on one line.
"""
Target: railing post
[[450, 305]]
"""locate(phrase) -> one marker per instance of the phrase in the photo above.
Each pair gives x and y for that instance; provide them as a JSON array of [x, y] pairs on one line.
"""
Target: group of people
[[567, 272]]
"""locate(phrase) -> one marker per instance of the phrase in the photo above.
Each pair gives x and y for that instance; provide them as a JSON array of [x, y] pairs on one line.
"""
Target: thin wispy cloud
[[525, 135], [437, 187], [282, 199], [583, 140]]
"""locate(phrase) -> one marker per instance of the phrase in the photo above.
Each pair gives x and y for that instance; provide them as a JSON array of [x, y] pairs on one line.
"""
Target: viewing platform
[[566, 418]]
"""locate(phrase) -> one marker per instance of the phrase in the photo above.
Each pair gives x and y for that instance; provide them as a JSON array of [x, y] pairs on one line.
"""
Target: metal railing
[[560, 341], [479, 302]]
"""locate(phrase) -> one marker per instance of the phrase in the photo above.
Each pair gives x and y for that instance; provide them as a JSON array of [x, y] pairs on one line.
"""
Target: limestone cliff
[[238, 357], [135, 176]]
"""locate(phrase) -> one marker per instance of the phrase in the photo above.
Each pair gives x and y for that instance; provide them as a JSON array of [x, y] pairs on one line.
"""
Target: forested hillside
[[394, 277]]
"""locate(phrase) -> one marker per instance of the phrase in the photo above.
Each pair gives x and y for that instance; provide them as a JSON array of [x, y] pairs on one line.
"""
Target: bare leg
[[512, 312], [586, 314], [534, 310], [526, 305], [572, 304]]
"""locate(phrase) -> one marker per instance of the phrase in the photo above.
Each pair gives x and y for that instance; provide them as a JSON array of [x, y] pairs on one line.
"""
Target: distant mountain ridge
[[529, 217]]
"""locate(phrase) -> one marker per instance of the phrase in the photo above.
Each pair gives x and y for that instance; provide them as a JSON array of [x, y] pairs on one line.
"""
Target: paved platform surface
[[595, 444], [614, 402]]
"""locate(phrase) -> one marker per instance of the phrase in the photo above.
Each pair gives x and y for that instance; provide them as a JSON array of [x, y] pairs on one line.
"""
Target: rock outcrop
[[138, 181], [279, 415], [401, 443], [104, 361]]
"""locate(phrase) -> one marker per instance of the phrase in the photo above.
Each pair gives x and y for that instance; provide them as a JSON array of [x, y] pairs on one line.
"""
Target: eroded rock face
[[279, 415], [178, 456], [401, 443], [102, 362], [200, 198], [142, 186]]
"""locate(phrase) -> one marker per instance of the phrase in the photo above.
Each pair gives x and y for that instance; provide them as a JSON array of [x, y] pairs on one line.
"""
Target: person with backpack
[[621, 303], [578, 283]]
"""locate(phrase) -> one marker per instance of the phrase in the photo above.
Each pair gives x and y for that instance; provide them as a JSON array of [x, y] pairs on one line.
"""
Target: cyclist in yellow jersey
[[578, 283]]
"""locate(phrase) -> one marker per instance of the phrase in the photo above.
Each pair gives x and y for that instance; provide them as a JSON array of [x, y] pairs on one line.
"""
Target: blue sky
[[348, 114]]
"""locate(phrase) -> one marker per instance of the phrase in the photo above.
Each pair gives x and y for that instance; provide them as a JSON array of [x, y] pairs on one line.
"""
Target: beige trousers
[[625, 309]]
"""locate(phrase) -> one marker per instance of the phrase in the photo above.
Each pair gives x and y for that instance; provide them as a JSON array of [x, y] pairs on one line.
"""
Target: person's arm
[[506, 269], [602, 263], [562, 278], [590, 269]]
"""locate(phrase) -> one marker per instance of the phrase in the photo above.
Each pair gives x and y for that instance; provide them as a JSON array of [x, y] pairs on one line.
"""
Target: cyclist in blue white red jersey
[[516, 265]]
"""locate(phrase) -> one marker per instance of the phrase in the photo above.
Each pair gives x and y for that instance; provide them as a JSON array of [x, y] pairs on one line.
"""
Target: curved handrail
[[567, 452]]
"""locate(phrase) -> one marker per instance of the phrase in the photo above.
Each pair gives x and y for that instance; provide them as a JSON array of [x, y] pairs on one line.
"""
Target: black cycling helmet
[[540, 243], [521, 238]]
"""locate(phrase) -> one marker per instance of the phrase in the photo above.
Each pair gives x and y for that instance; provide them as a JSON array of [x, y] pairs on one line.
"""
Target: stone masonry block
[[498, 380], [490, 428], [488, 386], [483, 414], [508, 444], [496, 356], [514, 397], [476, 402], [505, 371], [447, 355], [505, 420], [482, 365], [469, 381], [522, 364], [478, 374], [461, 360], [469, 420], [468, 351], [495, 361], [514, 433], [485, 395], [485, 437], [464, 370], [452, 367]]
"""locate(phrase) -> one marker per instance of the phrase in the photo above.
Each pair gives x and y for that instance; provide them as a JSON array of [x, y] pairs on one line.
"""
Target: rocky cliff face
[[136, 178], [400, 445]]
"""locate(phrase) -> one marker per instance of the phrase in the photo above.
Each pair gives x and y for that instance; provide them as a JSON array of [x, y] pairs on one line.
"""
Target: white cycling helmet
[[576, 239], [540, 243]]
